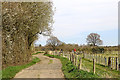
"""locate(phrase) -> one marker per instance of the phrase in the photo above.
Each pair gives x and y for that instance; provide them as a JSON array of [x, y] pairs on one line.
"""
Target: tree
[[94, 39], [30, 18], [53, 42], [40, 45], [21, 24]]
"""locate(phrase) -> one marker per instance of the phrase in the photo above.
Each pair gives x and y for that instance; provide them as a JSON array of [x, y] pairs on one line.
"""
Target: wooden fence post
[[109, 62], [80, 63], [72, 58], [94, 66], [69, 55], [105, 61], [116, 63], [113, 63], [76, 59], [119, 67], [63, 54], [99, 59]]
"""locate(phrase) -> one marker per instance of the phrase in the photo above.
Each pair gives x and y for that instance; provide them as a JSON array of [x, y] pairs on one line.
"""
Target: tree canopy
[[94, 39], [53, 42], [30, 18], [21, 24]]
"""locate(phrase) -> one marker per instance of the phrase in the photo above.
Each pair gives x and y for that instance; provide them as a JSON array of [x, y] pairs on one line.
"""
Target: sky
[[75, 19]]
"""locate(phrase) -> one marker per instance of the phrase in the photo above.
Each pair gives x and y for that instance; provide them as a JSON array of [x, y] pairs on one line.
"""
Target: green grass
[[50, 61], [70, 71], [101, 70], [11, 71], [37, 53]]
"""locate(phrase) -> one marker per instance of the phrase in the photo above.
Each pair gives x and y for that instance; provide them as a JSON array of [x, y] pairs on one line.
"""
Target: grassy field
[[11, 71], [101, 70]]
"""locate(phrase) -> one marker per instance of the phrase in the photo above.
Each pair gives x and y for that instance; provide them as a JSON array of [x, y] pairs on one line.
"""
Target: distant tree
[[40, 45], [53, 42], [94, 39], [97, 49]]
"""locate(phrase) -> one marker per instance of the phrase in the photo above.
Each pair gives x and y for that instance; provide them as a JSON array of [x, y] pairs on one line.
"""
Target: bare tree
[[94, 39], [53, 42]]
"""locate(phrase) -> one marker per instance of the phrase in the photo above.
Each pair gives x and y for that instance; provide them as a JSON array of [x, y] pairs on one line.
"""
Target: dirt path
[[46, 68]]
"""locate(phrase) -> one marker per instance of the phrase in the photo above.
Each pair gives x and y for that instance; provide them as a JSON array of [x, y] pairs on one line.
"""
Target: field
[[101, 70]]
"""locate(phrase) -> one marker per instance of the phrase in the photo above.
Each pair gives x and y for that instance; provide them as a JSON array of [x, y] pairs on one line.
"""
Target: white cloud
[[75, 16], [85, 15]]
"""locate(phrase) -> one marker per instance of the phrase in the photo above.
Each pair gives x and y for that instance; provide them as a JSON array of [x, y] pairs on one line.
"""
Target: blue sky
[[75, 19]]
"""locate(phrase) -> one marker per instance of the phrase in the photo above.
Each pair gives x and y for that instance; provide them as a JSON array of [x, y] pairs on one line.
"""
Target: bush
[[97, 50]]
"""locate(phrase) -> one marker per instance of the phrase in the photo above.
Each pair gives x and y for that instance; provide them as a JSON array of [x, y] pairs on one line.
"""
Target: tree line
[[93, 41]]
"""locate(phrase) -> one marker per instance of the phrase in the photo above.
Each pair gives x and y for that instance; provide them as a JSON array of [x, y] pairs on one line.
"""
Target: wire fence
[[76, 59]]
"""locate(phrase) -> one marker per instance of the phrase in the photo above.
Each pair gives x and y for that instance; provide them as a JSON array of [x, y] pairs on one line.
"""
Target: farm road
[[46, 68]]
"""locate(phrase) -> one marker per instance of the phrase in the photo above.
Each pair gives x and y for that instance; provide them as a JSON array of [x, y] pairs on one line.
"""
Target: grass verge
[[70, 71], [11, 71], [37, 53], [101, 70]]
